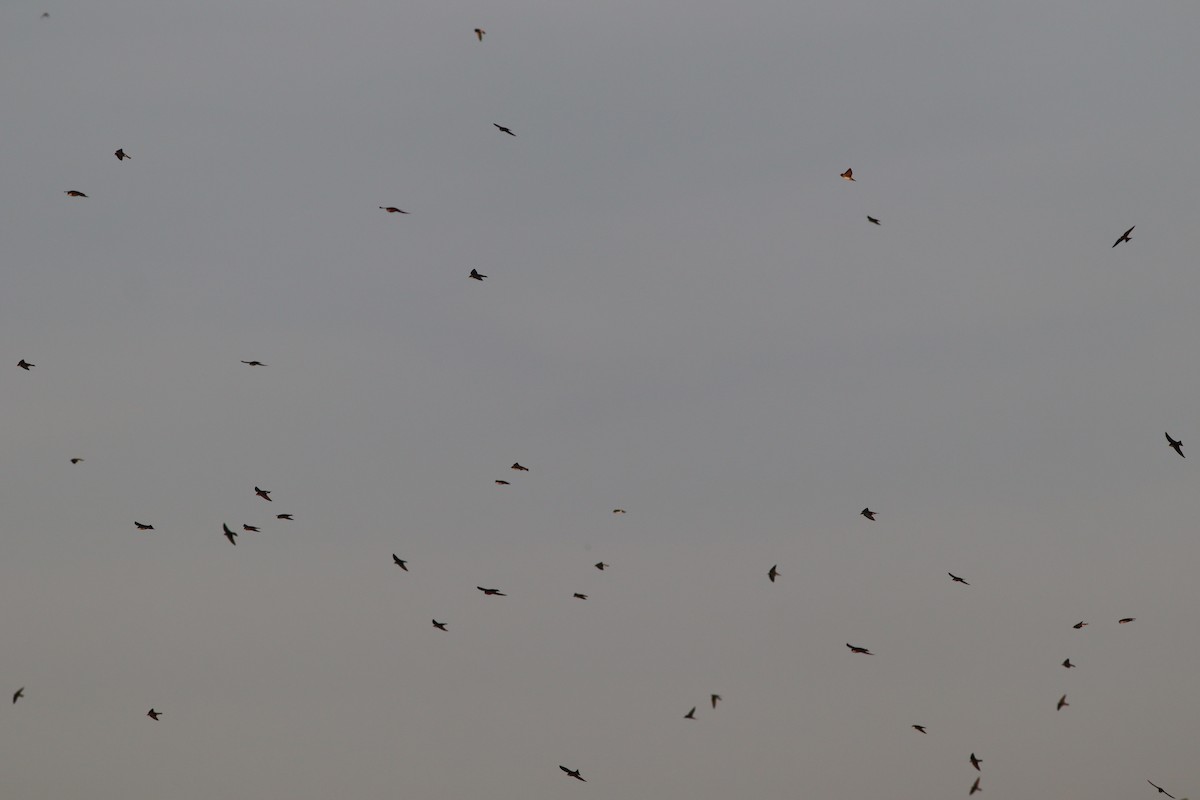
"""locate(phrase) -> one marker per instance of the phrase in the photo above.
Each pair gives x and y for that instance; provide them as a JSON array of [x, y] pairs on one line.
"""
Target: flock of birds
[[772, 574]]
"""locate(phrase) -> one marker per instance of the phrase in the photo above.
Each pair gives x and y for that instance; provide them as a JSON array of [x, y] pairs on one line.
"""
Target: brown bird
[[73, 193], [477, 275], [250, 528], [872, 220], [848, 174], [1160, 789], [401, 563], [1177, 445], [120, 154], [715, 698], [264, 494], [504, 129], [18, 694], [862, 650], [600, 565], [618, 511], [517, 466], [76, 460], [975, 787], [1125, 237], [1062, 702], [975, 762], [393, 210], [441, 626], [142, 527], [574, 773], [283, 516], [957, 579], [503, 483], [869, 514], [691, 714], [1079, 625], [1127, 619], [1068, 664], [921, 728], [254, 363], [25, 365], [496, 592], [154, 715], [229, 534], [479, 32], [773, 573], [580, 596]]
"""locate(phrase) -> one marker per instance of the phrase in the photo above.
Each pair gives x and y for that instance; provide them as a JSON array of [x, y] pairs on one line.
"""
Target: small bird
[[618, 511], [142, 527], [120, 154], [1062, 702], [1160, 789], [1177, 445], [715, 698], [1125, 237], [250, 528], [479, 32], [76, 460], [574, 773], [503, 483], [401, 563], [1127, 619], [264, 494], [496, 592], [441, 626], [45, 15], [1068, 664], [504, 129], [691, 714], [957, 579], [18, 694], [229, 534], [773, 573], [872, 220], [1079, 625], [154, 715], [73, 193], [921, 728], [580, 596], [975, 762], [848, 175], [975, 787], [600, 565], [869, 514], [477, 275], [862, 650], [254, 363], [283, 516], [25, 365], [393, 210], [517, 466]]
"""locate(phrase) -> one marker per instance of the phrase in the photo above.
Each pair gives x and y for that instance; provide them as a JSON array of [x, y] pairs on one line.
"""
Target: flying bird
[[18, 694], [1062, 702], [862, 650], [1127, 619], [1068, 664], [503, 483], [154, 715], [229, 534], [120, 154], [393, 210], [73, 193], [142, 527], [263, 493], [76, 460], [491, 591], [25, 365], [580, 596], [441, 626], [401, 563], [283, 516], [920, 728], [1079, 625], [254, 363], [1160, 789], [957, 579], [872, 220], [869, 514], [600, 565], [504, 129], [477, 275], [975, 787], [975, 762], [517, 466], [574, 773], [618, 511], [250, 528], [1177, 445], [848, 174], [691, 714], [45, 15], [715, 698], [479, 32], [1125, 237], [773, 573]]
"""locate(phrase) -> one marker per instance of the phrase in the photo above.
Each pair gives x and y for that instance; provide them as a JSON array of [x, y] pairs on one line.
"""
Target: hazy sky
[[687, 316]]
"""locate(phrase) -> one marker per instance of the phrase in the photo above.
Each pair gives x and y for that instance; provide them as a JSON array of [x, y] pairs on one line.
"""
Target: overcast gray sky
[[687, 316]]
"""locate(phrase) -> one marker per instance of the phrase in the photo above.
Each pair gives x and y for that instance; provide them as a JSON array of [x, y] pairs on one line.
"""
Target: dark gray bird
[[250, 528], [154, 715], [773, 573], [921, 728], [1125, 237], [1068, 664], [45, 15], [1160, 789], [477, 275], [1062, 702], [18, 694], [618, 511], [73, 193], [503, 483], [862, 650], [517, 466], [441, 626], [142, 527], [496, 592], [600, 565], [393, 210], [120, 154], [715, 698], [1079, 625], [574, 773], [401, 563], [263, 493], [510, 133], [975, 762], [975, 787], [76, 460], [581, 596], [1127, 619], [848, 175], [479, 32], [283, 516], [872, 220], [957, 579], [691, 714], [869, 514], [25, 365], [229, 534], [1175, 444], [254, 363]]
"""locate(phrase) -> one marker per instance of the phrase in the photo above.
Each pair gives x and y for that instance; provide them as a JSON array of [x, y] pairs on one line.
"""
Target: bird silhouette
[[504, 129], [76, 460], [574, 773], [250, 528], [1160, 789], [120, 154], [975, 762], [1068, 664], [920, 728], [503, 483], [73, 193], [848, 174], [1127, 619], [154, 715], [401, 563], [869, 514], [957, 579], [975, 787], [496, 592], [393, 210], [1125, 237], [441, 626], [18, 694], [25, 365], [229, 534], [283, 516], [863, 650], [715, 698], [264, 494], [254, 363], [143, 527], [1175, 444], [479, 32], [773, 573], [475, 274], [600, 565], [1062, 702], [1080, 625], [580, 596], [872, 220], [618, 511], [691, 714], [517, 466]]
